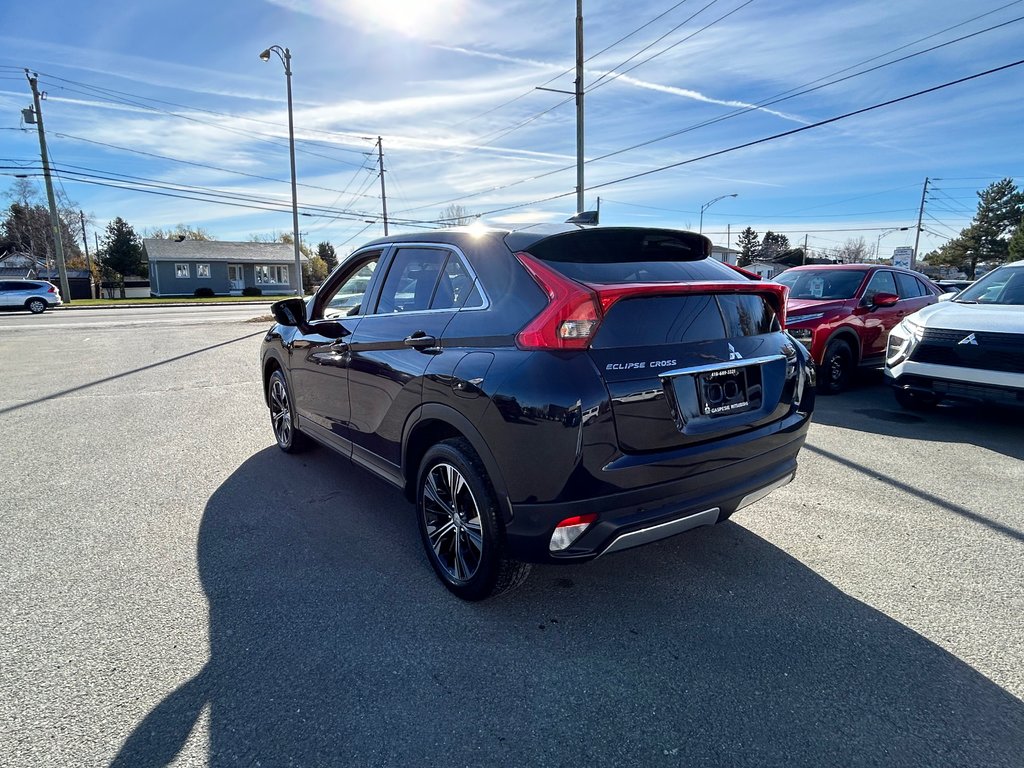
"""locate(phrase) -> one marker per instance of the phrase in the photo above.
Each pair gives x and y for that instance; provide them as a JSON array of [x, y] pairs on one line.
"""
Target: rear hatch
[[690, 350]]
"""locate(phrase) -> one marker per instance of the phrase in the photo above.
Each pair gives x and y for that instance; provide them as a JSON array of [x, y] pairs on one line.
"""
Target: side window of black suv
[[349, 295], [427, 279]]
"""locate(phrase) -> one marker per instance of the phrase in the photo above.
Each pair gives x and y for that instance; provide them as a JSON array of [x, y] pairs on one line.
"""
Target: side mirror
[[290, 312], [947, 296], [885, 299]]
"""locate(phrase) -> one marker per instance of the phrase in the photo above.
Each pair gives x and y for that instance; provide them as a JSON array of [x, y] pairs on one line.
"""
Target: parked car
[[843, 313], [34, 295], [953, 286], [968, 348], [549, 394]]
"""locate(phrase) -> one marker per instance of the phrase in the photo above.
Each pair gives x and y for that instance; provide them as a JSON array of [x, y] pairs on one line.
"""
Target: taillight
[[51, 289], [572, 316]]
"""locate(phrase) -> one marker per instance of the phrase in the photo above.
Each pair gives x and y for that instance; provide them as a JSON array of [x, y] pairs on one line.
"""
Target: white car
[[36, 296], [968, 348]]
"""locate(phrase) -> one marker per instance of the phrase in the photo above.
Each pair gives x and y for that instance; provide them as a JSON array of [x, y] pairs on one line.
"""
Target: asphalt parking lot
[[176, 589]]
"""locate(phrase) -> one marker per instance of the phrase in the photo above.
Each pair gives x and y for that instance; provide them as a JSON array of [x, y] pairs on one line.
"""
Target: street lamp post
[[286, 58], [878, 240], [707, 205]]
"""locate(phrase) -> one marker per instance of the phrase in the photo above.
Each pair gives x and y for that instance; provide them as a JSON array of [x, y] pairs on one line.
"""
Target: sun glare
[[412, 18]]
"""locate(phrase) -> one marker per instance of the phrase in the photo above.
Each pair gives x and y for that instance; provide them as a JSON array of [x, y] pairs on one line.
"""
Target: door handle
[[422, 342]]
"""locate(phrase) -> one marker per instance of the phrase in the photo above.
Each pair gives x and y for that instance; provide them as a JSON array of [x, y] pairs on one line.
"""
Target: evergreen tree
[[749, 245], [326, 252], [122, 253], [988, 236], [773, 246], [1015, 247]]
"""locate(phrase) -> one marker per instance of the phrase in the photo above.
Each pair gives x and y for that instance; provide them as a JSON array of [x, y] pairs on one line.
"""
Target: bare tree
[[455, 216], [853, 251]]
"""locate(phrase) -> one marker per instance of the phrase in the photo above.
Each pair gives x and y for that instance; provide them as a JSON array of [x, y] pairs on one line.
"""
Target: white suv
[[34, 295], [968, 348]]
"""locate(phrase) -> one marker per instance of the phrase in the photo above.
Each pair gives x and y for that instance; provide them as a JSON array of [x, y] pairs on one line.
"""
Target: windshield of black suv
[[1004, 285], [822, 284]]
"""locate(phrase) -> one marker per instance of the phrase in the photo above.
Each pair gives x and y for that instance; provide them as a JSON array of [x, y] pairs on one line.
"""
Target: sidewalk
[[129, 304]]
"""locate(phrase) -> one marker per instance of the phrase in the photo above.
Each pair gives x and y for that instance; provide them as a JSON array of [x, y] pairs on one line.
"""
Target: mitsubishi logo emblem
[[734, 355], [968, 340]]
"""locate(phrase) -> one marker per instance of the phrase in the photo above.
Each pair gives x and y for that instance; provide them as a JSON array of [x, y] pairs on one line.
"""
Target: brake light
[[572, 316], [51, 289]]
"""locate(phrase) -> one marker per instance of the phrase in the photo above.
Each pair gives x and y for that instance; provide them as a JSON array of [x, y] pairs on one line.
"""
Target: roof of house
[[53, 274], [218, 250]]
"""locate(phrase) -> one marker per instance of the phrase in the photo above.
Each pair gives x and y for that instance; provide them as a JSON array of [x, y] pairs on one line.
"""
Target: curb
[[72, 307]]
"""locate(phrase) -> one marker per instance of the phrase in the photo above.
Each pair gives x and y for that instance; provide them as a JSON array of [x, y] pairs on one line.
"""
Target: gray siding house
[[180, 268]]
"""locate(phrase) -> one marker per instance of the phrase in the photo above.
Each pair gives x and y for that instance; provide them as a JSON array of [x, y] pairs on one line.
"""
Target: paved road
[[93, 317], [172, 585]]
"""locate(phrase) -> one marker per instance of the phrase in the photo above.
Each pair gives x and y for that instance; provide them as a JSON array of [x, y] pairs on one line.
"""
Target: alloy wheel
[[453, 522], [280, 412]]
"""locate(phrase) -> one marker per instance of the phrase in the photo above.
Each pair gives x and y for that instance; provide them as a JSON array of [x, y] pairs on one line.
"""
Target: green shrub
[[204, 293], [252, 290]]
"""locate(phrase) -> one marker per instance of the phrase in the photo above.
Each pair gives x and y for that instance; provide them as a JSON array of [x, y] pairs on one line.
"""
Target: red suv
[[843, 313]]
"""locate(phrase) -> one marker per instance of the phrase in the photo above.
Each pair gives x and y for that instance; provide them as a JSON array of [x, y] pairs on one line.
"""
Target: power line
[[602, 79], [736, 113], [249, 134], [818, 124], [101, 91], [766, 139], [793, 93], [189, 162], [764, 215]]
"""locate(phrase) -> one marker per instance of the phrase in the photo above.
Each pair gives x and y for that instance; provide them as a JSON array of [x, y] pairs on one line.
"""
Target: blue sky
[[450, 85]]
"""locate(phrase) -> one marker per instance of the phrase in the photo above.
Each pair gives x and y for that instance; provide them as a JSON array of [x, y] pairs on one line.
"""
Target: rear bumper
[[643, 515]]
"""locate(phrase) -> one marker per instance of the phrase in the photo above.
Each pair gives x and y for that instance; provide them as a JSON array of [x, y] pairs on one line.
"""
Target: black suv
[[548, 394]]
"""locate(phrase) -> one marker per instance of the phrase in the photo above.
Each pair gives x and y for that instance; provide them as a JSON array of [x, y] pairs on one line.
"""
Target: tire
[[915, 401], [36, 306], [461, 530], [282, 416], [836, 368]]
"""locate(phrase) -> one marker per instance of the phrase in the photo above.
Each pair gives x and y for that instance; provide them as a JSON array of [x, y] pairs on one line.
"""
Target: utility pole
[[579, 106], [65, 290], [383, 194], [920, 216], [803, 259], [85, 242]]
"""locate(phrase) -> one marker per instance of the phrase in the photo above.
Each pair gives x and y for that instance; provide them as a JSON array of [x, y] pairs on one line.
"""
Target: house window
[[273, 275], [181, 270], [202, 270]]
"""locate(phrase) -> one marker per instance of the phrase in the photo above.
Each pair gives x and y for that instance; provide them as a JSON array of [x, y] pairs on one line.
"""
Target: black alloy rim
[[280, 412], [453, 522]]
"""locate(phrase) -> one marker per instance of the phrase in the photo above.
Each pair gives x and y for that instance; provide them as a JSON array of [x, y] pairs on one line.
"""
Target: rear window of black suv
[[654, 320]]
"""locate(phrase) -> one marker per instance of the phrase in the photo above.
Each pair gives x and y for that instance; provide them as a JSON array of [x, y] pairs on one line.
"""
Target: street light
[[878, 240], [286, 58], [707, 205]]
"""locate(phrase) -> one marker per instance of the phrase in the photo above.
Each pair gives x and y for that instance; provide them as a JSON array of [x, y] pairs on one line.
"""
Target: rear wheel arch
[[270, 365], [433, 423]]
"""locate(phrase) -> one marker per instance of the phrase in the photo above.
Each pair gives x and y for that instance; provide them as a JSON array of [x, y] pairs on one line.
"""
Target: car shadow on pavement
[[869, 406], [332, 643]]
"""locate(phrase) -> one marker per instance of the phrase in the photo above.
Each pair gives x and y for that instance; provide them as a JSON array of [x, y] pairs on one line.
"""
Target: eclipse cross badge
[[734, 355], [968, 340]]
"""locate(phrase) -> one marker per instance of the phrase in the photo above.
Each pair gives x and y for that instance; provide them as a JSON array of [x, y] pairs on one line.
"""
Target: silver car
[[34, 295]]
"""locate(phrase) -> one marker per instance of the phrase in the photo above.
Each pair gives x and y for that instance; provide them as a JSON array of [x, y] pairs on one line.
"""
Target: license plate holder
[[729, 391]]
